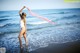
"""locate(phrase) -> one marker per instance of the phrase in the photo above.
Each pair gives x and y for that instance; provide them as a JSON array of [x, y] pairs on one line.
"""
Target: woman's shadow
[[24, 50], [21, 51]]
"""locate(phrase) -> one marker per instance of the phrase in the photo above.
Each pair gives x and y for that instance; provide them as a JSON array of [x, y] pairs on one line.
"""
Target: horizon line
[[42, 9]]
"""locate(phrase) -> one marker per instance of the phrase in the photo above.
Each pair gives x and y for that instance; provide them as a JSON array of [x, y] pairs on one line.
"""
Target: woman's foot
[[26, 44], [21, 47]]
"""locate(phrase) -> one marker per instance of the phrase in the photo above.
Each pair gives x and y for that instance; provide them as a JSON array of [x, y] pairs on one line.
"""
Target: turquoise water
[[40, 33]]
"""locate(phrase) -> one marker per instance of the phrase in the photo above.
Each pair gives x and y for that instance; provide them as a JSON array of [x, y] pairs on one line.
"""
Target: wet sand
[[70, 47]]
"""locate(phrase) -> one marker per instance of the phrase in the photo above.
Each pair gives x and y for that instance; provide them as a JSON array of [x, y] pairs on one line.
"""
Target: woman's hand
[[22, 9], [24, 6]]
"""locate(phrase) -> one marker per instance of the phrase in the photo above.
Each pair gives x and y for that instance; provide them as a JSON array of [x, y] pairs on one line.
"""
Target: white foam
[[1, 25], [39, 22]]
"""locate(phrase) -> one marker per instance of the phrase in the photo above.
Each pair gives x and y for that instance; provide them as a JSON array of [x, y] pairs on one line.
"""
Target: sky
[[37, 4]]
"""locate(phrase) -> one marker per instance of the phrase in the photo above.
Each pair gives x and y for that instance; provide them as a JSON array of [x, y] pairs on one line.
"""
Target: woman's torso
[[22, 24]]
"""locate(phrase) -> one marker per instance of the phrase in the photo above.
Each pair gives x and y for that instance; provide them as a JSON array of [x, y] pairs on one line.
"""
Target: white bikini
[[22, 23]]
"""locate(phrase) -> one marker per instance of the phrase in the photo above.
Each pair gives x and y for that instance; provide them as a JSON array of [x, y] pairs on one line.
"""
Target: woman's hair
[[23, 16]]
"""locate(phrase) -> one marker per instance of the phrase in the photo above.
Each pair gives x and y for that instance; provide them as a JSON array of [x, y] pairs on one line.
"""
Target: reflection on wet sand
[[24, 50]]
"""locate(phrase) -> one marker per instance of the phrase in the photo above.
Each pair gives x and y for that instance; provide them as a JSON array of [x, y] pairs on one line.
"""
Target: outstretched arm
[[22, 9]]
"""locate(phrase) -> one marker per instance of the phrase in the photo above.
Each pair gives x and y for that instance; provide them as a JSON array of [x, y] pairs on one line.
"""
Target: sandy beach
[[70, 47]]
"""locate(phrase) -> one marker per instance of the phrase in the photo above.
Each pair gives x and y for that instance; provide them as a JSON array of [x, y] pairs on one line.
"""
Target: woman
[[23, 27], [23, 24]]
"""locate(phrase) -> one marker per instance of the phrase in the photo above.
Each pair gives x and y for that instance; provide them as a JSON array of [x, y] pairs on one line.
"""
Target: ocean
[[39, 32]]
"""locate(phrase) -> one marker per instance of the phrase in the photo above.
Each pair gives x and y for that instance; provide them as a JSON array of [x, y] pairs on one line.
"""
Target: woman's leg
[[20, 35], [25, 38]]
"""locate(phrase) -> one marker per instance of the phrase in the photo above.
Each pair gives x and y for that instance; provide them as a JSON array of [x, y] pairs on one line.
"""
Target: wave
[[9, 32], [1, 25], [29, 16], [38, 23], [4, 16], [63, 12], [28, 24], [8, 24], [3, 20], [34, 28], [57, 13], [72, 16], [68, 17], [54, 25], [33, 23], [16, 24]]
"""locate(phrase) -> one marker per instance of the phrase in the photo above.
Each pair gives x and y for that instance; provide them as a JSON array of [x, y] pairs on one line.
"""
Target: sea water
[[40, 33]]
